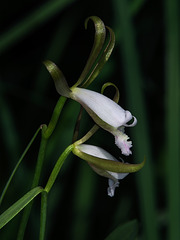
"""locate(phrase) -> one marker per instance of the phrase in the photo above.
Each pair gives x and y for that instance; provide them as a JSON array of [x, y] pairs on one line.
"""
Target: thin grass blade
[[18, 206], [172, 102], [17, 165]]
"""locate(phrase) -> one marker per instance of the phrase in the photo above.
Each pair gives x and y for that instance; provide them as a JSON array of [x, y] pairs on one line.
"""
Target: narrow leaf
[[18, 206], [17, 165]]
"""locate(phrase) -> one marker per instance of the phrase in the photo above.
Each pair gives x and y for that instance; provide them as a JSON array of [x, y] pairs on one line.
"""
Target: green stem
[[57, 167], [43, 215], [172, 74], [35, 182], [46, 133], [55, 117], [40, 159], [17, 165], [88, 135]]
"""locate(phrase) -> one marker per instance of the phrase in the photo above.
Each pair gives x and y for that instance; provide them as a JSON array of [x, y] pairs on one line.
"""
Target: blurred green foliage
[[142, 64]]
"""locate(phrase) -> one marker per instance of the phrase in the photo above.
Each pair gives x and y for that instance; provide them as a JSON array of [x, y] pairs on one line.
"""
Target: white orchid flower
[[101, 153], [104, 111], [107, 114]]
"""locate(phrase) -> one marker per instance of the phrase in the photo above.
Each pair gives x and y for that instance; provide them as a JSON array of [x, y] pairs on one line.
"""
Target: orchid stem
[[55, 117], [88, 135], [46, 133], [57, 167], [43, 215]]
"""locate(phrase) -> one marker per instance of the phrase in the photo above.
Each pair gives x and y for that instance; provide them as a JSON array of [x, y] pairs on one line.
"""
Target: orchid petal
[[105, 108], [111, 188]]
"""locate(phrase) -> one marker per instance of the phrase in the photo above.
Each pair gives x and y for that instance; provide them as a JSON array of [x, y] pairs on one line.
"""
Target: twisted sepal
[[58, 77]]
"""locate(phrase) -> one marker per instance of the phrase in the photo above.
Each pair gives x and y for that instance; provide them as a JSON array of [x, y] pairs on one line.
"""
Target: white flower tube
[[107, 114], [101, 153]]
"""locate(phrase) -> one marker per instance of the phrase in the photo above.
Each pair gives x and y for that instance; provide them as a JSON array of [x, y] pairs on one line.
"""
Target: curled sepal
[[100, 34], [103, 59], [106, 164], [59, 79], [116, 96]]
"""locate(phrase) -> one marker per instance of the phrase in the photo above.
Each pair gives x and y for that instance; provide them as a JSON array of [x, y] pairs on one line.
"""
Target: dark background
[[78, 205]]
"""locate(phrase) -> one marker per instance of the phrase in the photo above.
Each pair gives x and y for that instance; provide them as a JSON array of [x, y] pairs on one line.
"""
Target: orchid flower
[[96, 155], [107, 114]]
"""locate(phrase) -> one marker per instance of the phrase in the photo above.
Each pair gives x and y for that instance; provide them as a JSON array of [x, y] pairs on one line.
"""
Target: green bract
[[105, 164]]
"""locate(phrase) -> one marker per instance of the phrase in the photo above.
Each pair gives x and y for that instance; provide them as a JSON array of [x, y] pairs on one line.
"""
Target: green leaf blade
[[12, 211]]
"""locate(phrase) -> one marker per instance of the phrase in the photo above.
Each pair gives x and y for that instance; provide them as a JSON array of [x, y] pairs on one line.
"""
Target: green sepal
[[58, 77], [109, 165], [103, 59], [116, 96], [99, 38]]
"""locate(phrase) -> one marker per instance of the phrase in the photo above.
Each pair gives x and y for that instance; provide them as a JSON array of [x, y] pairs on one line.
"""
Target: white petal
[[105, 108], [101, 153], [96, 151], [111, 188], [118, 175]]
